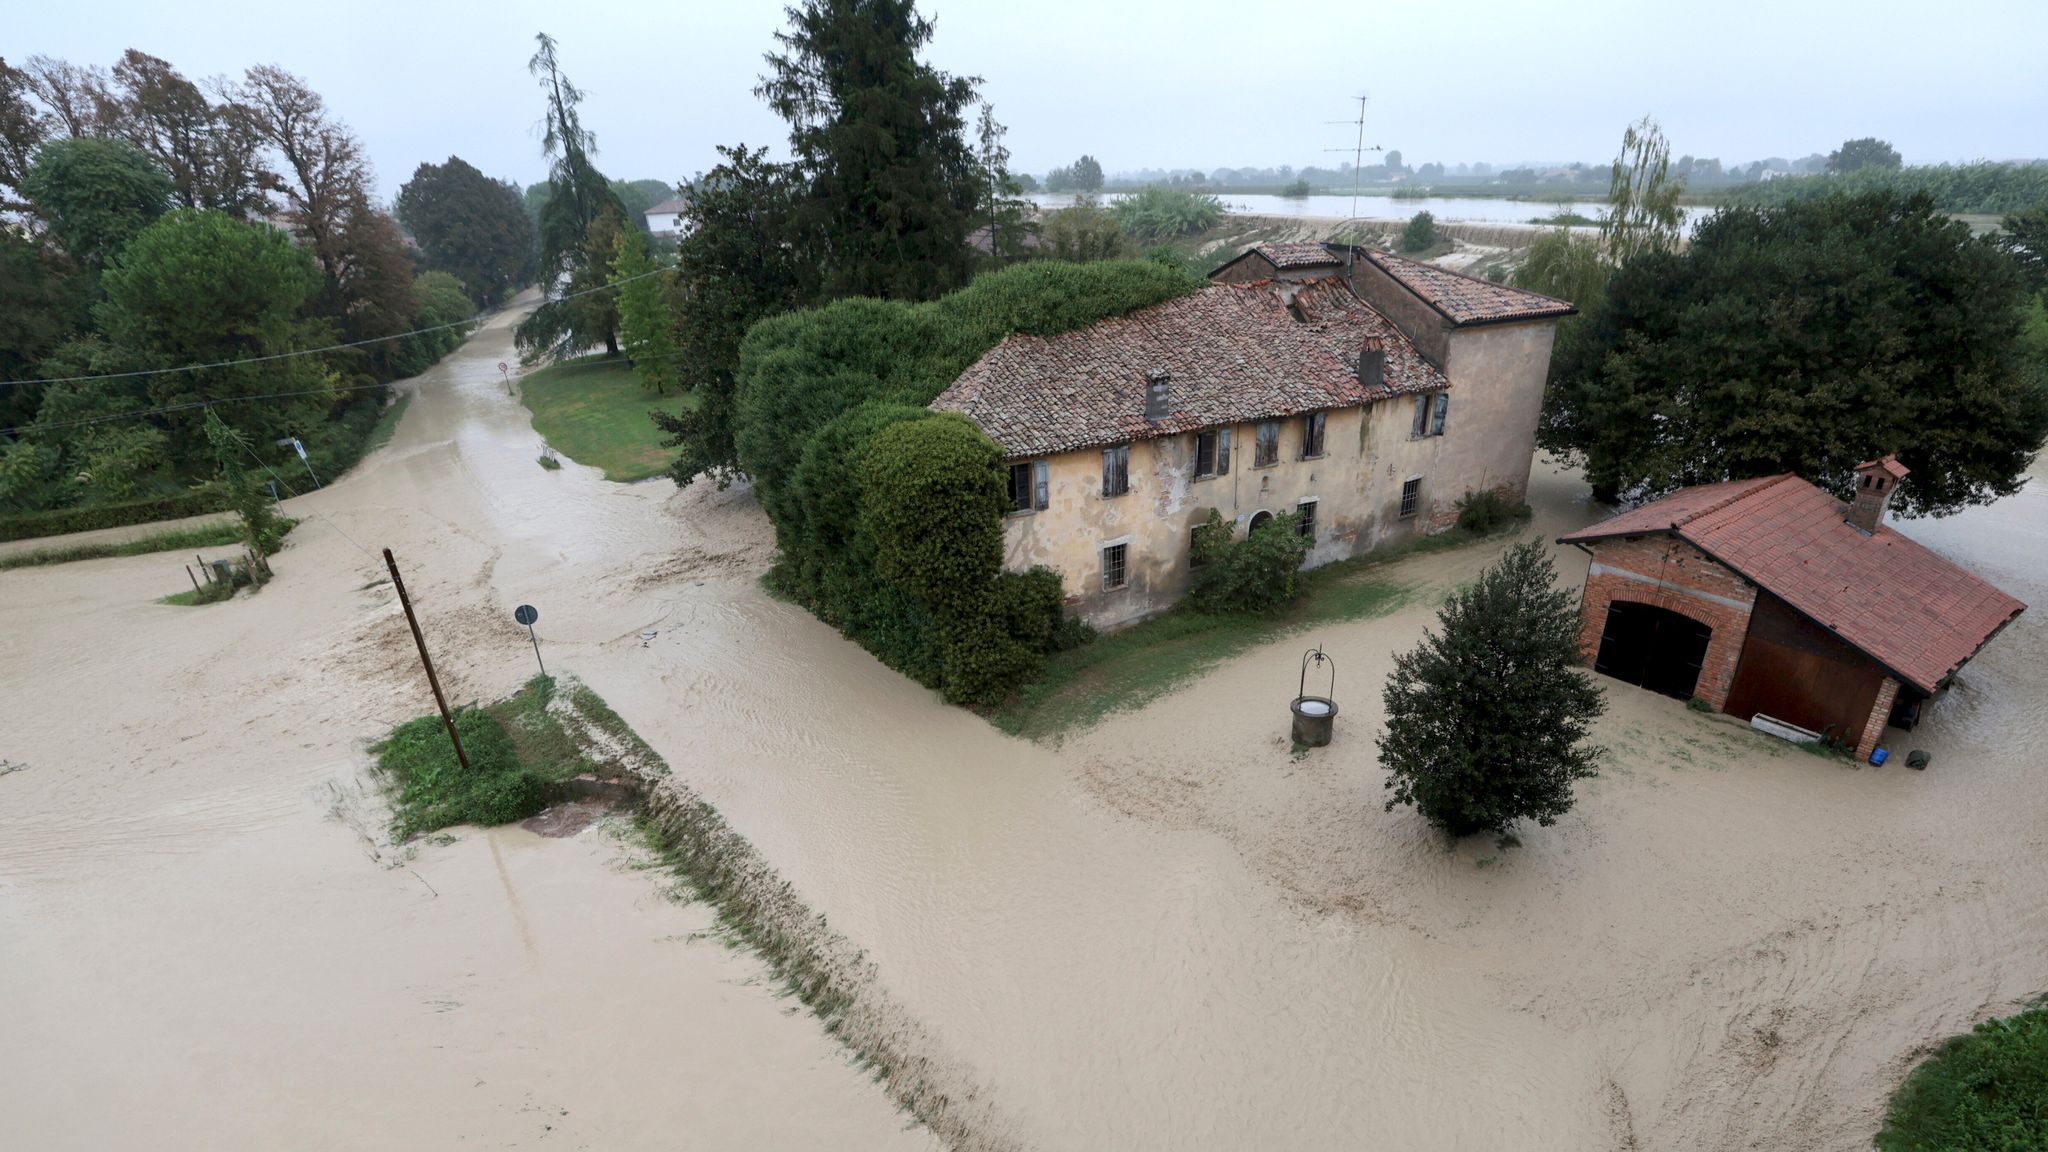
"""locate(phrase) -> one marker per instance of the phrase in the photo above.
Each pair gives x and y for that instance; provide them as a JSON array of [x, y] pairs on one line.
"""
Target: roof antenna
[[1358, 150]]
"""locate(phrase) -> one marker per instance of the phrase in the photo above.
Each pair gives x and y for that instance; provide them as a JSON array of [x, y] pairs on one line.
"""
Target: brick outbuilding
[[1771, 596]]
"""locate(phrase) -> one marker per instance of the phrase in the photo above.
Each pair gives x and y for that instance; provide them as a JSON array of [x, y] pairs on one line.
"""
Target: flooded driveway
[[1167, 934]]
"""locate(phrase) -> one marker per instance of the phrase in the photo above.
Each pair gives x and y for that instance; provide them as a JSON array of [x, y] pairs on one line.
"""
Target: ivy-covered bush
[[1259, 573], [889, 516]]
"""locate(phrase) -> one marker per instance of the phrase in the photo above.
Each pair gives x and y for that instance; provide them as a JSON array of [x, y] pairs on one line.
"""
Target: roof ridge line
[[1737, 498]]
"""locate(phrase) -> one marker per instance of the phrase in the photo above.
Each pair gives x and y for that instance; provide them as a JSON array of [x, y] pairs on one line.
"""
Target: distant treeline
[[1984, 188]]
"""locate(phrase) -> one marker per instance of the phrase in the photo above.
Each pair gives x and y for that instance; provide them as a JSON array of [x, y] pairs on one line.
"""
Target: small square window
[[1116, 470], [1411, 497], [1312, 434], [1266, 446], [1115, 566], [1307, 526]]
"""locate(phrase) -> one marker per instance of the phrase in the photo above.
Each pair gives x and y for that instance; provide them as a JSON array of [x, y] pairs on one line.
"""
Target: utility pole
[[433, 681]]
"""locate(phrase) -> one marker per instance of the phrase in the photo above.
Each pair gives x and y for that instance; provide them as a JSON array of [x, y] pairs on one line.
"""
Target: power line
[[473, 320]]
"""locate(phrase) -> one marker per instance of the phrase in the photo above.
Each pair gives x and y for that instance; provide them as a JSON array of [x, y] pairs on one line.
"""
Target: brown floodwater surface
[[1168, 933]]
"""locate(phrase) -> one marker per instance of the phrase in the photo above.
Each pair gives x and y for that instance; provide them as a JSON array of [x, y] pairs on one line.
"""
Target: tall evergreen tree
[[879, 138], [578, 220], [1487, 718], [1004, 211]]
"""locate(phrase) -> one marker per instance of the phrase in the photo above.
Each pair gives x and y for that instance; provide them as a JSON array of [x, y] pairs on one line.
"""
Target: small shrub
[[1699, 704], [1986, 1091], [550, 463], [1299, 190], [1482, 512], [1419, 234], [1257, 574]]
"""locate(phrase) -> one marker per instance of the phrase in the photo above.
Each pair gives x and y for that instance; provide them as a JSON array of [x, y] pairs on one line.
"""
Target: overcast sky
[[1146, 83]]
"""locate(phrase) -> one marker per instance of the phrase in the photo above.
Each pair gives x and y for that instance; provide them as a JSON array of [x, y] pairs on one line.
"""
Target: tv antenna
[[1358, 150]]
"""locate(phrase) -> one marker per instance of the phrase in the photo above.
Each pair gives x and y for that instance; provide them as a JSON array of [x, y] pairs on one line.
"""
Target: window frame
[[1411, 498], [1121, 549], [1036, 487], [1431, 411], [1219, 453], [1120, 470], [1315, 435], [1265, 447], [1306, 509]]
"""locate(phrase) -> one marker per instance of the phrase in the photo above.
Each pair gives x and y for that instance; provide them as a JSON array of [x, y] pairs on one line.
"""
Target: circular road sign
[[526, 614]]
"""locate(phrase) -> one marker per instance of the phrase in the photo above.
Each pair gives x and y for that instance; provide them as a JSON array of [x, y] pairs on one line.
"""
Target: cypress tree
[[892, 187]]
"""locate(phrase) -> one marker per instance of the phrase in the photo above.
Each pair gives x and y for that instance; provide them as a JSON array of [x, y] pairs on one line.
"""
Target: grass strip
[[174, 539], [594, 411], [1983, 1091], [1131, 667], [387, 423]]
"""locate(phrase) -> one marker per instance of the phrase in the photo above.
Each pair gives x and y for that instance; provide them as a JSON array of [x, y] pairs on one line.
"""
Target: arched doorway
[[1259, 520], [1655, 647]]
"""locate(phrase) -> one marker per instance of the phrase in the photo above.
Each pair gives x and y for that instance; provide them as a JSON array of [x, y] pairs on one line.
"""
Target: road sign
[[526, 614]]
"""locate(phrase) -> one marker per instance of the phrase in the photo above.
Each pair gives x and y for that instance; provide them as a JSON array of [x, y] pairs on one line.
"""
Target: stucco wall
[[1496, 373], [1356, 483]]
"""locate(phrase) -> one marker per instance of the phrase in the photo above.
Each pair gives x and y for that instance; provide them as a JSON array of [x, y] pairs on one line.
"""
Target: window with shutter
[[1421, 424], [1038, 485], [1266, 444], [1116, 470], [1212, 452], [1312, 434], [1020, 487], [1436, 415]]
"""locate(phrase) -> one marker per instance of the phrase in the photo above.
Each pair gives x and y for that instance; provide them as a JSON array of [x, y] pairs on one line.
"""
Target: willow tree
[[1642, 196], [579, 226]]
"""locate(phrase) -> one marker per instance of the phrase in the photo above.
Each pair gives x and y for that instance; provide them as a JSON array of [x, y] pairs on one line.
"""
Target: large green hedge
[[889, 516], [1984, 1091], [191, 502]]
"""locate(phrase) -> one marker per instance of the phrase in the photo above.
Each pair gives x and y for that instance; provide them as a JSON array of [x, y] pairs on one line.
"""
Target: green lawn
[[594, 411], [1131, 667]]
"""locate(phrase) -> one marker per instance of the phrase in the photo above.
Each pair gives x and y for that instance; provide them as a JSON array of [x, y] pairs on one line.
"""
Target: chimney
[[1875, 480], [1158, 394], [1372, 364]]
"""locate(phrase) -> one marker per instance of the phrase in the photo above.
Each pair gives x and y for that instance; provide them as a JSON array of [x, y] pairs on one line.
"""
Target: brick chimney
[[1158, 394], [1372, 363], [1875, 480]]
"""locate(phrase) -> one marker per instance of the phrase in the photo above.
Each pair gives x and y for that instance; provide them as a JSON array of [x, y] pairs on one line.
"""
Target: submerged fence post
[[433, 681]]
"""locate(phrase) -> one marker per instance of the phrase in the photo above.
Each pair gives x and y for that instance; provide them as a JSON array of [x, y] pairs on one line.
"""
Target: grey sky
[[1147, 83]]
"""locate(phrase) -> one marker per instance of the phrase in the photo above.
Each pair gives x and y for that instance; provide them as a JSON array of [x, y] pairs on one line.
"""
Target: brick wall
[[1873, 728], [1669, 573]]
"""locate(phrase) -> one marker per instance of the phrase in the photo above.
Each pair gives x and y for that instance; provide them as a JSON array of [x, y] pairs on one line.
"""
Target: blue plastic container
[[1879, 756]]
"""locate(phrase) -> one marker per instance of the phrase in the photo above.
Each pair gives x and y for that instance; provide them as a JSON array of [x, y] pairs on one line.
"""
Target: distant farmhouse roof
[[1463, 299], [1899, 603], [1233, 353], [668, 208]]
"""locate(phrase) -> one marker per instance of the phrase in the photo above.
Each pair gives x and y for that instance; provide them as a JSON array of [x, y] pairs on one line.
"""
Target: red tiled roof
[[1907, 608], [1235, 354], [1465, 299], [1302, 255]]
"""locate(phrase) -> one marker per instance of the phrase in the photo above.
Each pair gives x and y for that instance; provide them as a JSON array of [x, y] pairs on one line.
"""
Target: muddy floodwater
[[1167, 933]]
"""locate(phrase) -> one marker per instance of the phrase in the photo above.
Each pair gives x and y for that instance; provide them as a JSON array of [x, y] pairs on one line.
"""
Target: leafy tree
[[1487, 717], [261, 526], [23, 127], [1642, 199], [199, 288], [1865, 152], [1087, 174], [209, 150], [646, 325], [42, 302], [1085, 232], [1806, 338], [95, 195], [471, 226], [1026, 182], [878, 138], [1393, 160], [734, 267], [578, 220], [1298, 190], [1420, 233], [1009, 225], [637, 196], [2024, 236]]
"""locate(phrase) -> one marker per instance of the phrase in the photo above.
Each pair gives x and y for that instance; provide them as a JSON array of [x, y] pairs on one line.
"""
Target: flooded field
[[1166, 934]]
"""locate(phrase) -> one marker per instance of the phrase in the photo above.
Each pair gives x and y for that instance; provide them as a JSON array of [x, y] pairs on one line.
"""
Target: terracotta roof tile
[[1299, 255], [1235, 353], [1465, 299], [1907, 608]]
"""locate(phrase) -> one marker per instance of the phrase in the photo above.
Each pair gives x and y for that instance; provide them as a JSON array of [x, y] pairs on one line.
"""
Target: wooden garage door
[[1794, 670]]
